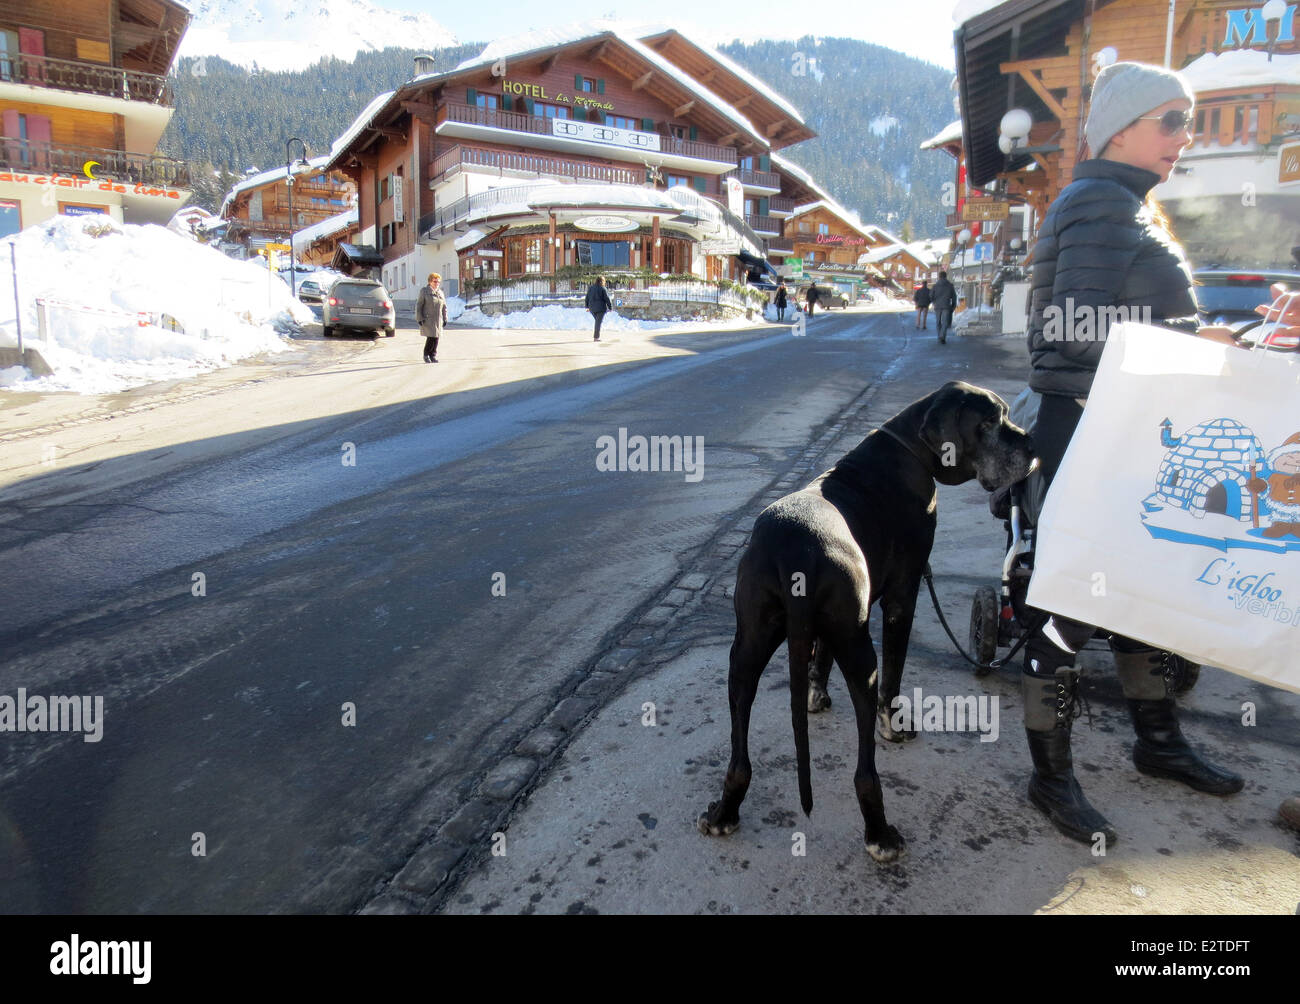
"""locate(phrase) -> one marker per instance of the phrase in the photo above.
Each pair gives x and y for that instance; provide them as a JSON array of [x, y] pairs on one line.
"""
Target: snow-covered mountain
[[293, 34]]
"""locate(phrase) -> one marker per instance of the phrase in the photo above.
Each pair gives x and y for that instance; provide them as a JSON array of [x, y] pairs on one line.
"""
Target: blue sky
[[921, 28]]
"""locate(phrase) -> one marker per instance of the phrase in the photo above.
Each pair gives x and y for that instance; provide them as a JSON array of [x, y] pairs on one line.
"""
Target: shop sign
[[594, 133], [981, 210], [82, 184], [1246, 26], [605, 224], [795, 265], [736, 196], [842, 240], [538, 92], [720, 247], [69, 209], [1288, 164]]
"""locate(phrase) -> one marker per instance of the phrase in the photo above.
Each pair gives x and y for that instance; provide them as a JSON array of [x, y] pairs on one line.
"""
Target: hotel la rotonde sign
[[592, 132]]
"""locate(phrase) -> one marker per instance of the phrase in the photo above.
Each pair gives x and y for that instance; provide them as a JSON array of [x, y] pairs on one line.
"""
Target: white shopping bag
[[1175, 516]]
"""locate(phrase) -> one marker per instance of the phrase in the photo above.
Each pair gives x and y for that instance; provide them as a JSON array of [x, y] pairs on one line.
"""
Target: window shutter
[[528, 106], [699, 184], [577, 83], [580, 114], [600, 85], [765, 164], [471, 97], [694, 133], [647, 125], [507, 103], [762, 207]]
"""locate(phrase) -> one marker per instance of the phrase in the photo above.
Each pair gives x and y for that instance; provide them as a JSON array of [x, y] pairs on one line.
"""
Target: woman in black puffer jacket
[[1104, 255]]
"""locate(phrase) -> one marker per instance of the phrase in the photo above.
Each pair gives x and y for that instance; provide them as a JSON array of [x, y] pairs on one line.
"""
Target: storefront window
[[532, 256], [614, 254], [10, 218]]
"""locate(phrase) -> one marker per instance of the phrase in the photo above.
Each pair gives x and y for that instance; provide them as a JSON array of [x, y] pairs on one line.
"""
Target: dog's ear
[[938, 426]]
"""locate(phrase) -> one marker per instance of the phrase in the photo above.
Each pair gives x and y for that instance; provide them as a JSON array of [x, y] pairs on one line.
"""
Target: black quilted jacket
[[1098, 249]]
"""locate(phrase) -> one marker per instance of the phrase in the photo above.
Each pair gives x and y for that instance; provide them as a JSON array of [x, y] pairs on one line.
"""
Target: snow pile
[[1241, 68], [971, 315], [201, 310], [553, 317]]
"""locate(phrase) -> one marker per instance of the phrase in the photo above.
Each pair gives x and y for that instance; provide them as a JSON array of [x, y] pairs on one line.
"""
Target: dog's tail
[[800, 649]]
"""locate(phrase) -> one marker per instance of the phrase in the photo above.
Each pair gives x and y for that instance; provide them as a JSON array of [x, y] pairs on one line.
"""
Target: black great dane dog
[[818, 558]]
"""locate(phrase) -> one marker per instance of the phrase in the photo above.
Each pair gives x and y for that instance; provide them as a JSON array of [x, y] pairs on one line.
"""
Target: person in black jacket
[[944, 301], [598, 302], [781, 300], [811, 298], [922, 300], [1105, 254]]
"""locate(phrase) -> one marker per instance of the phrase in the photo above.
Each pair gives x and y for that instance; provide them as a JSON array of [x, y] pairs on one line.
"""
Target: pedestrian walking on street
[[943, 299], [1105, 244], [781, 301], [431, 315], [598, 302], [811, 297], [922, 299]]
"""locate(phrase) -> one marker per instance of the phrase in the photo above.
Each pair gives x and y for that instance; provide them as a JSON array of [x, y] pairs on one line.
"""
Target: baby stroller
[[1000, 617]]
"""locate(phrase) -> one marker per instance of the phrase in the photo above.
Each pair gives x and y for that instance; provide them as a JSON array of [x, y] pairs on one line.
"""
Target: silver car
[[357, 305]]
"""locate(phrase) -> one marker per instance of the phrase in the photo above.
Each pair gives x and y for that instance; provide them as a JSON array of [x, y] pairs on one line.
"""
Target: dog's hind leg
[[750, 653], [818, 675], [897, 611], [857, 661]]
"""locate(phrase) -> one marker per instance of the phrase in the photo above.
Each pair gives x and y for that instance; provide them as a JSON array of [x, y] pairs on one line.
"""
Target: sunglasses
[[1171, 122]]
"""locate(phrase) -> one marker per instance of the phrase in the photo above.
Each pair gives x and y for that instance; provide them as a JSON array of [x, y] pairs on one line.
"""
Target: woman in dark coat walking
[[781, 301], [1104, 244], [598, 302], [431, 315]]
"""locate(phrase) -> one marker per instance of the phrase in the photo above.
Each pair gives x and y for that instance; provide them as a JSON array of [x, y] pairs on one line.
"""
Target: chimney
[[423, 65]]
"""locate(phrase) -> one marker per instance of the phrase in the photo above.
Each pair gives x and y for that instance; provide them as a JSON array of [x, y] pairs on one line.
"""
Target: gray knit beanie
[[1123, 93]]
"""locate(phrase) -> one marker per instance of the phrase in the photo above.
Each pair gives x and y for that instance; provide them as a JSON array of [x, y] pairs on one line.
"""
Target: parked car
[[827, 297], [1230, 296], [357, 305], [309, 291]]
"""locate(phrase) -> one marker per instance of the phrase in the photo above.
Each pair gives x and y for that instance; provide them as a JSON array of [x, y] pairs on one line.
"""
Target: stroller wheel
[[984, 611]]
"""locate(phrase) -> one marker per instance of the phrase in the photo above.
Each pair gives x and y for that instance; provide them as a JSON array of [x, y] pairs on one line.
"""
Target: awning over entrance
[[356, 259]]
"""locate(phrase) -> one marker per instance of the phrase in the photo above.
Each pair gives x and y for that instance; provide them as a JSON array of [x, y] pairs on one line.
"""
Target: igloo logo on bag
[[1220, 486]]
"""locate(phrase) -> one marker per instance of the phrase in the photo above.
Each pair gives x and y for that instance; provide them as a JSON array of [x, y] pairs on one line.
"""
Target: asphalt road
[[367, 587]]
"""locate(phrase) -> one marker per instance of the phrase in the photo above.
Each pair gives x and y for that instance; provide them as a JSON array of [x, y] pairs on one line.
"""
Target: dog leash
[[1030, 631]]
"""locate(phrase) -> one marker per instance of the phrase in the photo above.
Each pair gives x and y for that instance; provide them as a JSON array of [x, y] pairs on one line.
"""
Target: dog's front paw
[[818, 699], [712, 823], [885, 727], [889, 848]]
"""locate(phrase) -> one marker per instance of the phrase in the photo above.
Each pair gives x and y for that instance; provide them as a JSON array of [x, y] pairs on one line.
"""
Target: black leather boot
[[1049, 715], [1161, 750]]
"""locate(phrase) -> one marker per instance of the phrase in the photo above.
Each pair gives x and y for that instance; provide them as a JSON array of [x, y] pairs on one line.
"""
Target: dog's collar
[[910, 449]]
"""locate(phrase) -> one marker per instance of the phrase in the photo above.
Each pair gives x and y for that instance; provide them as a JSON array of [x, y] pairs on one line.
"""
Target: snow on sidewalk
[[105, 275]]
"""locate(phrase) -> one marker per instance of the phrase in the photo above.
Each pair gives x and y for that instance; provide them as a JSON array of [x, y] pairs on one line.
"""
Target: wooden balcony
[[1255, 117], [757, 179], [116, 165], [531, 165], [780, 204], [537, 125], [86, 78], [763, 224]]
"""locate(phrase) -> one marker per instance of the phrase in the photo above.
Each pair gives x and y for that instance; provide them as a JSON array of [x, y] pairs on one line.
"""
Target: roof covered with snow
[[1241, 68], [951, 133], [596, 195], [363, 119], [967, 10], [326, 227], [275, 174], [795, 171], [848, 216]]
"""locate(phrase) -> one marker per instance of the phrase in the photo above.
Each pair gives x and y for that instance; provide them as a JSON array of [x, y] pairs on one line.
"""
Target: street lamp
[[1274, 10], [288, 175]]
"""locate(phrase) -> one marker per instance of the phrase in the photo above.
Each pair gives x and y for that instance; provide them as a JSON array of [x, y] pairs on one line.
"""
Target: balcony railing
[[780, 204], [86, 78], [283, 223], [780, 245], [759, 179], [763, 224], [451, 215], [538, 125], [533, 164], [115, 165]]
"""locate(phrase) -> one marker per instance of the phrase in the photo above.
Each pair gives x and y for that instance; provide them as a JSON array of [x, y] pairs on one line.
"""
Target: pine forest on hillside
[[871, 108]]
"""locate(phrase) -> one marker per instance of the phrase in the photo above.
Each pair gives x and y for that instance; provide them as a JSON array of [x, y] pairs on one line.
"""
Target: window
[[620, 122], [747, 163], [676, 131], [532, 256], [487, 101], [616, 254], [678, 179], [550, 111], [803, 226], [8, 55], [588, 85], [824, 228], [11, 217], [751, 207]]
